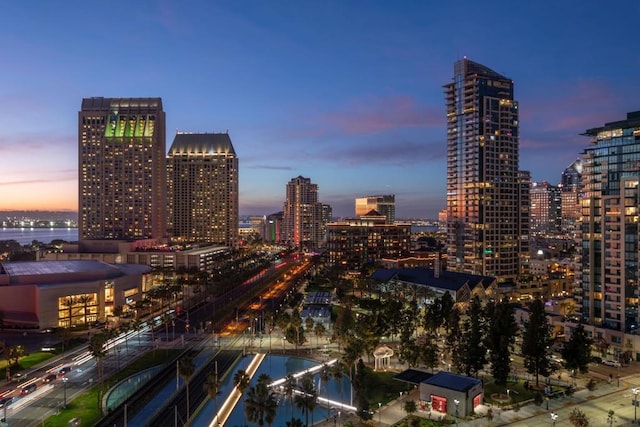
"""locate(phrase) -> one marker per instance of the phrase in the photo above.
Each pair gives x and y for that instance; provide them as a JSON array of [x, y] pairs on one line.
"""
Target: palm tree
[[261, 403], [319, 329], [85, 300], [306, 399], [212, 387], [325, 376], [241, 381], [136, 325], [186, 367], [97, 350], [69, 302], [337, 372], [289, 387]]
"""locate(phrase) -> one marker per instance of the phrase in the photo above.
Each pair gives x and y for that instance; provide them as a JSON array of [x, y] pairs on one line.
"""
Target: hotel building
[[122, 169], [202, 173], [302, 214]]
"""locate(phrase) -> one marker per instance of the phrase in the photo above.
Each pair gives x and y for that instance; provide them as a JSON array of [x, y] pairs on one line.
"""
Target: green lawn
[[86, 406]]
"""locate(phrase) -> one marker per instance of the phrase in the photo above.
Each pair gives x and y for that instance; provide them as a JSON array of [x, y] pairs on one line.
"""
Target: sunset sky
[[347, 93]]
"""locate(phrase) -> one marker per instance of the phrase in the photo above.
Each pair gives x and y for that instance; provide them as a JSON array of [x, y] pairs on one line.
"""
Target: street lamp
[[456, 402], [635, 391], [554, 417], [379, 413], [64, 383]]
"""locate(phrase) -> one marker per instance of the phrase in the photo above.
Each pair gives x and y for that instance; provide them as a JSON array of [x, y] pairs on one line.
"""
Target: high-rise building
[[203, 188], [273, 232], [302, 214], [571, 188], [545, 213], [122, 169], [610, 209], [384, 205], [485, 219]]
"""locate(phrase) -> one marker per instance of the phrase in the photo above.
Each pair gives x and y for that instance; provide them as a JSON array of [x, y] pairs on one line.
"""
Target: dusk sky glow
[[346, 93]]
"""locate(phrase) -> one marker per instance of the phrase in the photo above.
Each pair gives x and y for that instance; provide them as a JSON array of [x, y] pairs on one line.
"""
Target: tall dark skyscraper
[[122, 169], [610, 211], [486, 229], [203, 188]]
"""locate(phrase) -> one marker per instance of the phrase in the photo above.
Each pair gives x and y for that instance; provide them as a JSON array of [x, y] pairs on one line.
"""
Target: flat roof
[[452, 381], [413, 376], [42, 268]]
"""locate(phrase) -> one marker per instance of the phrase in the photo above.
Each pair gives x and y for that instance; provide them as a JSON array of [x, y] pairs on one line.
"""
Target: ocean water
[[25, 235]]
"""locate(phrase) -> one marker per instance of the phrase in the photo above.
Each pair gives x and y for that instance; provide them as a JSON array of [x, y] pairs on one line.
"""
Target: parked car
[[30, 388], [610, 362], [596, 359], [49, 378], [5, 401]]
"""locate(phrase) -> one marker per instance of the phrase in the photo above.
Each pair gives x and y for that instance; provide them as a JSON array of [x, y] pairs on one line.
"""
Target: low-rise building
[[48, 294]]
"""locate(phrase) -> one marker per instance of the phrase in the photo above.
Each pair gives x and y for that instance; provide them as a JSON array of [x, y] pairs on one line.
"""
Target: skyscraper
[[384, 205], [610, 208], [122, 169], [203, 188], [571, 189], [545, 213], [302, 214], [484, 230]]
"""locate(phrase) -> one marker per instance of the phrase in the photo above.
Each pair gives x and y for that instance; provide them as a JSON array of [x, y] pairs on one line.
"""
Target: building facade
[[545, 213], [484, 229], [302, 214], [611, 170], [571, 189], [352, 243], [384, 205], [122, 169], [202, 173]]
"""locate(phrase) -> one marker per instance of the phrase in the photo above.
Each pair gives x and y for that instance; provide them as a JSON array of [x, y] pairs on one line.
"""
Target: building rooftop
[[201, 143], [52, 272], [448, 280], [452, 381]]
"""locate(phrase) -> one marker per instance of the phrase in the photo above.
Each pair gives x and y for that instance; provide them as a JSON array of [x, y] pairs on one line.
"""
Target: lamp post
[[554, 417], [379, 413], [635, 391], [64, 383]]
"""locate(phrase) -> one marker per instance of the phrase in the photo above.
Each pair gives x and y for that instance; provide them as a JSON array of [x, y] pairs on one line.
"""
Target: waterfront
[[27, 235]]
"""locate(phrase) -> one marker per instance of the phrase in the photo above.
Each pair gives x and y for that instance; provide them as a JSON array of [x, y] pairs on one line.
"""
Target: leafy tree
[[536, 341], [501, 334], [14, 353], [577, 351], [410, 407], [429, 351], [471, 353], [578, 418], [186, 368]]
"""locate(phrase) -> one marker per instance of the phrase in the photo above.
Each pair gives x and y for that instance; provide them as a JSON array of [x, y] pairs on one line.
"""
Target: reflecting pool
[[276, 366]]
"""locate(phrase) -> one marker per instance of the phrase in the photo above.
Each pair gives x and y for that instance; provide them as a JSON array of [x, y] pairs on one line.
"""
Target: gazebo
[[382, 356]]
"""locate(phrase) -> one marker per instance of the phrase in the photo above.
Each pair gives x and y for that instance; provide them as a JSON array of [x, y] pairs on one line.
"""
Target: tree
[[578, 418], [14, 353], [536, 341], [577, 351], [186, 368], [325, 376], [611, 417], [212, 387], [471, 354], [289, 387], [69, 302], [306, 399], [410, 407], [97, 350], [501, 333], [261, 403], [319, 330], [241, 381]]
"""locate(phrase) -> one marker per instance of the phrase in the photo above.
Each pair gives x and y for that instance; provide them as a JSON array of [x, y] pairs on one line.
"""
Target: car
[[19, 377], [596, 359], [610, 362], [29, 388], [64, 370], [49, 378], [5, 401]]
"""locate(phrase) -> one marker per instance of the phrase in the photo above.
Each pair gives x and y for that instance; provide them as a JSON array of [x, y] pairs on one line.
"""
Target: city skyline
[[348, 94]]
